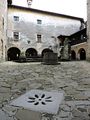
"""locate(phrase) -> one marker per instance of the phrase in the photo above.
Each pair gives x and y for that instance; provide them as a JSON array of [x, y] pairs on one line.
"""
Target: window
[[39, 38], [3, 22], [16, 36], [39, 21], [28, 41], [16, 18]]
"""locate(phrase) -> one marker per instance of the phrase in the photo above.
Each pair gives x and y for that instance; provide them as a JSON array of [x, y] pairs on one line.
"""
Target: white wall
[[20, 2], [28, 28]]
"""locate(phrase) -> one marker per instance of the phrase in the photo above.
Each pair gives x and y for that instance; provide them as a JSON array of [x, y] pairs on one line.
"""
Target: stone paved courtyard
[[73, 78]]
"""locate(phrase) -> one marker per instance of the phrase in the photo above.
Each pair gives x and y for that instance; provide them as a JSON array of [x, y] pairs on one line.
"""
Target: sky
[[76, 8]]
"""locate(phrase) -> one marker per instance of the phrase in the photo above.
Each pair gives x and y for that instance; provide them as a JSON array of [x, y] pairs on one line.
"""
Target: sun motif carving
[[36, 100]]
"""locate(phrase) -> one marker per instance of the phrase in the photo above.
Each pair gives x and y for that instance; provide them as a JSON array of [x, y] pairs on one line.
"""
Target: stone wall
[[3, 26], [76, 48]]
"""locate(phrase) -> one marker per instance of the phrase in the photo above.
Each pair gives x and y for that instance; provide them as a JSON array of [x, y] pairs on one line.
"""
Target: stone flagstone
[[41, 101], [72, 78]]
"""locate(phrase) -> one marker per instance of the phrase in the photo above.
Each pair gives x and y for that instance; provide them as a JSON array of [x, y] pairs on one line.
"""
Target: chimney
[[29, 2]]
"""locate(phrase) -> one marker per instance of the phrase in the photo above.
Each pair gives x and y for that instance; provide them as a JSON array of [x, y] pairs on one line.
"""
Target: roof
[[79, 37], [83, 31], [78, 33], [63, 36], [45, 12]]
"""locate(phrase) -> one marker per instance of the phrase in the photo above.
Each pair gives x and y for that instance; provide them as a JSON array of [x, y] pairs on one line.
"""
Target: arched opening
[[31, 53], [82, 54], [13, 54], [73, 55], [46, 50]]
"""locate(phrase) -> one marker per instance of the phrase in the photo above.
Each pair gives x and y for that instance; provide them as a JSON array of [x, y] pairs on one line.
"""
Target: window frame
[[39, 22], [16, 36], [39, 38], [16, 18]]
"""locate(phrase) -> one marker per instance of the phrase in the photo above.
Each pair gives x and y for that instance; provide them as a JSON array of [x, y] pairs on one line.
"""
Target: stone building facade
[[32, 31], [3, 28]]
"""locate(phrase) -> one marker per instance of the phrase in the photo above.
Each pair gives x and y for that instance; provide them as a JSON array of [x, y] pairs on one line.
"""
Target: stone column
[[3, 28], [88, 30]]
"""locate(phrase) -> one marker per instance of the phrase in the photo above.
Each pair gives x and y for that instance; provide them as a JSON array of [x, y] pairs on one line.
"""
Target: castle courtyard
[[71, 78]]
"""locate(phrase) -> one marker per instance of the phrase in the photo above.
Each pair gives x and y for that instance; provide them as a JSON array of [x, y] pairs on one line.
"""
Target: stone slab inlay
[[39, 100]]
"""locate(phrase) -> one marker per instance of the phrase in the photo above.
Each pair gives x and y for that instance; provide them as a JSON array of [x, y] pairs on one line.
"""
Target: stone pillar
[[88, 30], [3, 28]]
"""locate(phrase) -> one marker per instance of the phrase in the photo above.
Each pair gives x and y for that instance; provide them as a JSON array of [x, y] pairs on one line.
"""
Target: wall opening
[[82, 54], [13, 54], [46, 50], [31, 53]]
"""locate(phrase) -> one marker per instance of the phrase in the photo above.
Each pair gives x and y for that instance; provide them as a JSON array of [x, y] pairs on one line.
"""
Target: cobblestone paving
[[73, 78]]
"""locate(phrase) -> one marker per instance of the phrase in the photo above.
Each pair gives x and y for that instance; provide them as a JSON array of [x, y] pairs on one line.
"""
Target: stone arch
[[46, 50], [31, 53], [73, 55], [13, 53], [82, 54]]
